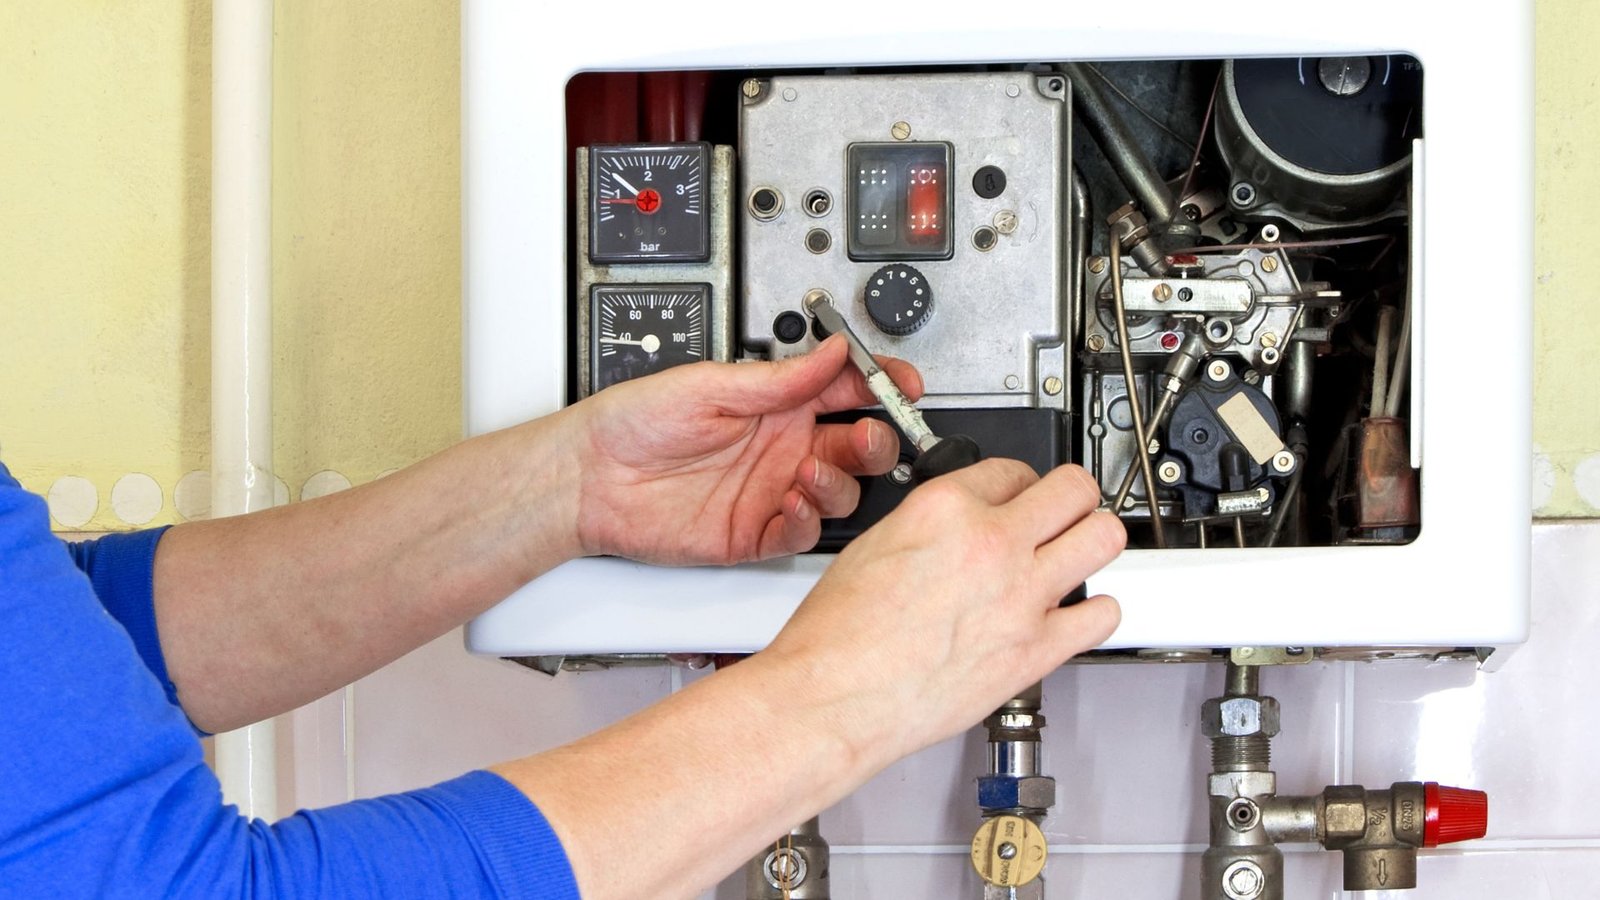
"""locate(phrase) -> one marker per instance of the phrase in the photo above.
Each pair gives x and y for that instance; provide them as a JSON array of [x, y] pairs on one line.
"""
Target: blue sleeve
[[106, 794], [121, 568]]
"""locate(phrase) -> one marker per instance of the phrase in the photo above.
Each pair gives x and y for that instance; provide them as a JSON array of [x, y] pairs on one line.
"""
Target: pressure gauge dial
[[639, 329], [648, 203]]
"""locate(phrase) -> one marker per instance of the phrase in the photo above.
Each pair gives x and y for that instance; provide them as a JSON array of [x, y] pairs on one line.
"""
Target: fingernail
[[821, 475], [874, 437], [802, 510]]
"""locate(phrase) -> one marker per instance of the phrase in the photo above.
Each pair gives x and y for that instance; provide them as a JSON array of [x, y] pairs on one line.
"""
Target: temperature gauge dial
[[648, 203], [639, 329]]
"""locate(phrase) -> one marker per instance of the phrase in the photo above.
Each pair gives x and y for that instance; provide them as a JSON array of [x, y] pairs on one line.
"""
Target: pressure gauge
[[648, 203], [639, 329]]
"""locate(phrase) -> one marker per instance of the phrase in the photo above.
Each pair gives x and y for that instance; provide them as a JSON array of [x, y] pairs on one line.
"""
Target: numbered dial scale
[[648, 203], [644, 328]]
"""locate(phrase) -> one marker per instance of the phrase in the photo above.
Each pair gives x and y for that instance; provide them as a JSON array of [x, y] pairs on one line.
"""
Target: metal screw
[[1270, 339], [1162, 292], [1244, 194], [900, 131], [900, 474], [1243, 880], [1269, 264], [1283, 462], [1096, 343], [1013, 382], [1218, 371], [1169, 472], [1007, 850], [1052, 385], [751, 88], [1005, 221], [1097, 264], [1191, 212]]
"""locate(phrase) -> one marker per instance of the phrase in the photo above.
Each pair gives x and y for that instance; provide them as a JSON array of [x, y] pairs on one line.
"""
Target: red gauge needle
[[630, 202]]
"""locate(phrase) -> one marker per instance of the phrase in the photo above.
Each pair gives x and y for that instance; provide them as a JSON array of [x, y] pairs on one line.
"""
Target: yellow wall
[[104, 253]]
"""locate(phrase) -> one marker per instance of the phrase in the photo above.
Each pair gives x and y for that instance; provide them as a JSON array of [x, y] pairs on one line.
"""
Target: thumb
[[756, 388]]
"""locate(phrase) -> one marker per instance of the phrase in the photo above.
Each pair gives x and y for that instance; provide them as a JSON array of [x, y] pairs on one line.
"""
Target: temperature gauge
[[648, 203], [638, 329]]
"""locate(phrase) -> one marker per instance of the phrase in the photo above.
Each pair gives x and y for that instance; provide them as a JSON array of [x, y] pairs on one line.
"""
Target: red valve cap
[[1453, 814]]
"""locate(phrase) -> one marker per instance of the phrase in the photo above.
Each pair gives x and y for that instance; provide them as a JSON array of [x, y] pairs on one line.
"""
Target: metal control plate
[[999, 326]]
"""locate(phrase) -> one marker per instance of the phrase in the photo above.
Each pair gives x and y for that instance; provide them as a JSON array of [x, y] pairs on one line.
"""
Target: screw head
[[1270, 339], [1005, 221], [1096, 343], [1052, 385], [900, 474], [1243, 194], [1269, 264], [1162, 292], [1007, 850], [1097, 264], [1243, 880], [900, 131], [751, 88]]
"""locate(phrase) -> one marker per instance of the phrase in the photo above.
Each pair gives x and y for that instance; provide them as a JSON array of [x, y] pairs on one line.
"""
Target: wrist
[[531, 478], [814, 698]]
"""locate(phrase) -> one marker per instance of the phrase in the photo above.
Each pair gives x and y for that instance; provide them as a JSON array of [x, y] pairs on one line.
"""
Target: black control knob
[[899, 299]]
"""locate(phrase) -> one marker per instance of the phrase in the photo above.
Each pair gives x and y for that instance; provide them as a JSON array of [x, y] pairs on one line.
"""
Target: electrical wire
[[1286, 245], [1205, 125], [1146, 114], [1139, 433]]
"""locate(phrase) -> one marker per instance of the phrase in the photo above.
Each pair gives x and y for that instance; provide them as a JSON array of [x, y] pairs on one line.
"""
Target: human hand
[[717, 463], [947, 607]]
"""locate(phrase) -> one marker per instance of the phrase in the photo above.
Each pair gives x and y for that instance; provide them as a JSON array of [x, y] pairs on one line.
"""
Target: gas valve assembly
[[1198, 276]]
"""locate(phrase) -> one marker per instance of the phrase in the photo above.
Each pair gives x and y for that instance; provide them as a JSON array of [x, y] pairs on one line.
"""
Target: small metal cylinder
[[794, 867], [1292, 820], [1018, 758]]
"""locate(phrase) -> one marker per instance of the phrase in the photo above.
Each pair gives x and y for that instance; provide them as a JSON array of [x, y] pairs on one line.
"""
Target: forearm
[[669, 801], [261, 613]]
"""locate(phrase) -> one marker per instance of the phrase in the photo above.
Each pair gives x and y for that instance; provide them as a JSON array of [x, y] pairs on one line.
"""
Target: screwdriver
[[935, 455]]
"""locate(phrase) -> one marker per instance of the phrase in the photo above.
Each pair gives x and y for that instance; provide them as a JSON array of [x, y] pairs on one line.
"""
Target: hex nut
[[1016, 792], [1344, 813], [1239, 717]]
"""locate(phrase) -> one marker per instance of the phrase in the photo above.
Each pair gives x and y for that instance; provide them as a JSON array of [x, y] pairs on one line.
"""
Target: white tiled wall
[[1123, 744]]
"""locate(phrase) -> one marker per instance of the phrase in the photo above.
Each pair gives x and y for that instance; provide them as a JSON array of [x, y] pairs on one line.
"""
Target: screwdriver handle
[[952, 452]]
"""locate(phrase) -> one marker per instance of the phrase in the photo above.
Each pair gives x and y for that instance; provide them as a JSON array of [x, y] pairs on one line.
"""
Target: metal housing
[[999, 324]]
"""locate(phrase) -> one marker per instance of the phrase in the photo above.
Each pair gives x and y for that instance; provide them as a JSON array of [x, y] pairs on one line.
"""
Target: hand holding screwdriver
[[935, 455]]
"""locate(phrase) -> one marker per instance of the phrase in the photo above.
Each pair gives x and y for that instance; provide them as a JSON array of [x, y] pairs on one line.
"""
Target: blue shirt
[[104, 793]]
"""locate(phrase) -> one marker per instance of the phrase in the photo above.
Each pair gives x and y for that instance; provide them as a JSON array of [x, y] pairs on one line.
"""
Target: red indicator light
[[925, 209]]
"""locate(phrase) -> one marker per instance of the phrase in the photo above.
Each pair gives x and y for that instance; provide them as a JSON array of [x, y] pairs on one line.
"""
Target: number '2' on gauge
[[648, 203]]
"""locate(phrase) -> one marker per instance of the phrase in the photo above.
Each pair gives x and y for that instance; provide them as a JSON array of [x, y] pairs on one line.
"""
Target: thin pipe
[[241, 327], [1380, 362], [1133, 400], [1402, 362]]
